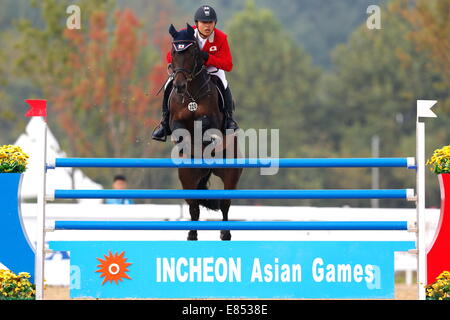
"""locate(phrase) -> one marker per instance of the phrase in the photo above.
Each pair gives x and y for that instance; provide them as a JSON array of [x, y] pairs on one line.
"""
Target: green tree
[[274, 85], [43, 50], [377, 77], [320, 25], [12, 87], [429, 30], [100, 84]]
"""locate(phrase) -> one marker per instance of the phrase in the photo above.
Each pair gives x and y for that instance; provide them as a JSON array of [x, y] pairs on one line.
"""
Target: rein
[[190, 75]]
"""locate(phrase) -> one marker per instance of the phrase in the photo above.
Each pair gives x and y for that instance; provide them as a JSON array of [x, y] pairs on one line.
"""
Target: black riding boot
[[163, 129], [230, 123]]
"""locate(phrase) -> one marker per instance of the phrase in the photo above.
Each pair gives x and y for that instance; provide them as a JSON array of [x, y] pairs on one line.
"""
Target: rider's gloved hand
[[204, 55]]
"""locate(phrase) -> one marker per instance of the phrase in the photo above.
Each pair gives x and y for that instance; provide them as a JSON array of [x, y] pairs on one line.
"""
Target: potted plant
[[20, 257], [13, 162], [440, 160], [440, 289], [438, 257], [12, 159], [16, 286]]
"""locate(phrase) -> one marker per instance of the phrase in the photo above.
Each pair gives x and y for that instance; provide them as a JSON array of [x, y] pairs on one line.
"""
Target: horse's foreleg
[[230, 178], [189, 180], [194, 211], [224, 207]]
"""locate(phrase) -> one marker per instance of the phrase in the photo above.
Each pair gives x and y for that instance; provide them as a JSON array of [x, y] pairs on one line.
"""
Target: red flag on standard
[[38, 108]]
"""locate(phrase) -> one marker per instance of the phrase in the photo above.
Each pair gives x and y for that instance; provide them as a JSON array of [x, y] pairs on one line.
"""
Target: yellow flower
[[440, 289], [12, 159], [439, 160]]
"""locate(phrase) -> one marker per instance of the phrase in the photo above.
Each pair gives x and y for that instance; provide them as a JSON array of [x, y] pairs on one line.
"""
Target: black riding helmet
[[205, 13]]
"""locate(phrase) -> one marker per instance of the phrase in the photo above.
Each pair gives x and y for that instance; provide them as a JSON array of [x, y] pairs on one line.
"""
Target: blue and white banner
[[236, 269]]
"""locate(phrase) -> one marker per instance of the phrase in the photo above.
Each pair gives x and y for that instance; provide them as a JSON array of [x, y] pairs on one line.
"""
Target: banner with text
[[236, 269]]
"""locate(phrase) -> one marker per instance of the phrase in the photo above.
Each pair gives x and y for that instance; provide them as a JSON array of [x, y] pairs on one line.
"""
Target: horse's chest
[[198, 118], [192, 112]]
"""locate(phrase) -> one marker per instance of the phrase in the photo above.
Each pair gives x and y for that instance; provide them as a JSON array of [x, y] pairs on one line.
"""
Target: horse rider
[[217, 58]]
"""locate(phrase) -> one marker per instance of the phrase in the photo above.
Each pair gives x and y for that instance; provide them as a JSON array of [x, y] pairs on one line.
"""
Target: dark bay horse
[[195, 97]]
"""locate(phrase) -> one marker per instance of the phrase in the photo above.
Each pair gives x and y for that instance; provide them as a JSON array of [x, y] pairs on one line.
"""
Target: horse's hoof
[[225, 235], [192, 236]]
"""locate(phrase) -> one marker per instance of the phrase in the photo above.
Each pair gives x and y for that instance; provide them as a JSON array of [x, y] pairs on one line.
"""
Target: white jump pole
[[38, 109], [40, 232], [423, 110]]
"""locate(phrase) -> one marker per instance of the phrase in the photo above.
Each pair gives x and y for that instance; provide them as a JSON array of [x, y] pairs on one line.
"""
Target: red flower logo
[[113, 268]]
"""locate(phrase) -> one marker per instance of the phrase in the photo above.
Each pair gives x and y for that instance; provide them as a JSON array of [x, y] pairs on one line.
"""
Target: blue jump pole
[[233, 163], [231, 225], [236, 194]]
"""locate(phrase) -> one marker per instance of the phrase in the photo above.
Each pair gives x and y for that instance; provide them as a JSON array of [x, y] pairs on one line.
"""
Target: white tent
[[59, 178]]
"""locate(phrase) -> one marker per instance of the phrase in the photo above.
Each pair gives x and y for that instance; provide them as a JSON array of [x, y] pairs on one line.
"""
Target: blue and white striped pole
[[231, 225], [407, 194], [233, 163]]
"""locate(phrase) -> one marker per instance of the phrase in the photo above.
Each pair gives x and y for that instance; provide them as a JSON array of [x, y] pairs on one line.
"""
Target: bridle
[[190, 74]]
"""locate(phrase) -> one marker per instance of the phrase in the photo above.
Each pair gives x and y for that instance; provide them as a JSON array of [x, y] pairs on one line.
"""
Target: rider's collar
[[210, 38]]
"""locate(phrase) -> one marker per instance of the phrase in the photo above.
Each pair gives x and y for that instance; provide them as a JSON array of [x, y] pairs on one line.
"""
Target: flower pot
[[16, 252], [438, 255]]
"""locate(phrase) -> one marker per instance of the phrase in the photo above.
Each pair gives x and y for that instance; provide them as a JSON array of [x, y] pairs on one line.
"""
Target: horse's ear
[[190, 30], [173, 32]]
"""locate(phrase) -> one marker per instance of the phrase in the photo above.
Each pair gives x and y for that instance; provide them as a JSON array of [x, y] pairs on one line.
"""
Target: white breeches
[[220, 73]]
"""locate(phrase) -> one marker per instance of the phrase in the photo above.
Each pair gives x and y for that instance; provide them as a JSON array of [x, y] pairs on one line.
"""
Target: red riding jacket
[[218, 49]]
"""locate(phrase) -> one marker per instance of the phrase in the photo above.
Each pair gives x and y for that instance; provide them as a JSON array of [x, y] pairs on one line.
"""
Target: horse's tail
[[212, 204]]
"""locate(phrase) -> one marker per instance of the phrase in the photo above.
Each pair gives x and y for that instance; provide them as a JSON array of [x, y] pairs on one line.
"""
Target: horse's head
[[186, 62]]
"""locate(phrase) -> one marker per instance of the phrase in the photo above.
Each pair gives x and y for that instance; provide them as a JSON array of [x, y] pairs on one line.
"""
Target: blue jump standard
[[232, 163], [231, 225], [233, 194]]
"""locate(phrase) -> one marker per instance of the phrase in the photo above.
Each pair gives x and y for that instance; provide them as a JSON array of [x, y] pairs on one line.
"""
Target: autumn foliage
[[430, 34], [431, 22], [107, 97]]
